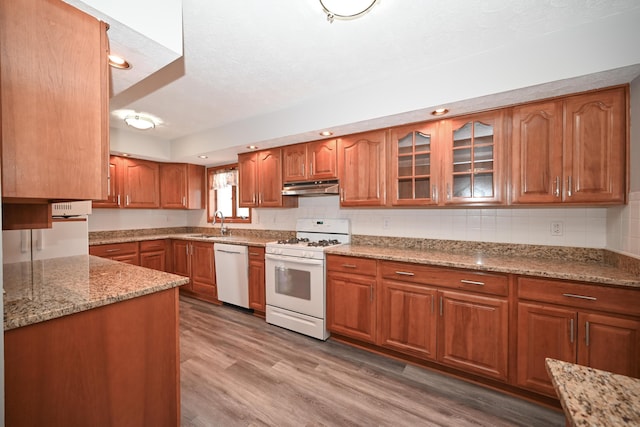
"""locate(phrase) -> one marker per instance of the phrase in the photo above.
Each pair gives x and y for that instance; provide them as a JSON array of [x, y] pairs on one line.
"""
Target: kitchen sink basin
[[205, 236]]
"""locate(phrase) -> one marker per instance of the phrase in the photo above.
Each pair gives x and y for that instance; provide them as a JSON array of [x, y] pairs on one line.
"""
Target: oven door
[[295, 284]]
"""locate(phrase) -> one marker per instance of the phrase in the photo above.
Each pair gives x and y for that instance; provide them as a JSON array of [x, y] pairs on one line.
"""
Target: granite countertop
[[591, 397], [199, 237], [593, 272], [43, 290]]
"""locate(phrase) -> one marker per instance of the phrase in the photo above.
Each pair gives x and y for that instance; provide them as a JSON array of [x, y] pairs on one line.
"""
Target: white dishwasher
[[232, 273]]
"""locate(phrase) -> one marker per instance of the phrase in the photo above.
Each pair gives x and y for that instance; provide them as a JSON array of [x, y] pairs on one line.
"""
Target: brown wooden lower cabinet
[[196, 261], [113, 365], [572, 333], [256, 280], [154, 254], [123, 252]]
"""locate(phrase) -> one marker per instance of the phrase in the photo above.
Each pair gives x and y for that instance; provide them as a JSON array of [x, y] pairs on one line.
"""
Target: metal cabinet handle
[[569, 187], [434, 193], [254, 253], [342, 194], [448, 191], [118, 200], [126, 200], [405, 273], [580, 297], [556, 191], [349, 265], [586, 335], [471, 282], [310, 169], [113, 250], [184, 201], [571, 334]]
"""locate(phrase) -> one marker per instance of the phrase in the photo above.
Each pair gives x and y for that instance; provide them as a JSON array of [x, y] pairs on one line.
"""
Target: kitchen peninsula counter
[[556, 268], [591, 397], [90, 341], [42, 290]]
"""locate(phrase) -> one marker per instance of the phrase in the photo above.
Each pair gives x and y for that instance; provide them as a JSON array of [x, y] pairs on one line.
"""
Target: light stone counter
[[593, 272], [213, 238], [43, 290], [591, 397]]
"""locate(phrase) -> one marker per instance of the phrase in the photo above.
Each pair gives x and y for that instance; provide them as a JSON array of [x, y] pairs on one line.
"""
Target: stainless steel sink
[[205, 236]]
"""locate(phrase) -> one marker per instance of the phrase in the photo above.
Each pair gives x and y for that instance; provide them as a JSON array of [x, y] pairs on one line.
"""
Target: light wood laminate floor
[[237, 370]]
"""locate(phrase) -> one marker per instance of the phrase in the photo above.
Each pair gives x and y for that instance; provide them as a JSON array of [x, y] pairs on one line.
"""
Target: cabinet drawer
[[486, 283], [579, 295], [348, 264], [204, 289], [153, 245], [256, 253], [115, 249]]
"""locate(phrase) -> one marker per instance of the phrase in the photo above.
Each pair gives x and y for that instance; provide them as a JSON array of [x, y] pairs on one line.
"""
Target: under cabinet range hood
[[311, 188]]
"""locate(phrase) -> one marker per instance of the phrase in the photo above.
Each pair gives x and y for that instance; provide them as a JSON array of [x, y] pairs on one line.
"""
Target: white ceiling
[[276, 72]]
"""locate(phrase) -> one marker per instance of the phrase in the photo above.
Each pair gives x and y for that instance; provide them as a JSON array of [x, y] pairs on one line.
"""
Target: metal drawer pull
[[471, 282], [571, 332], [254, 253], [580, 297], [405, 273], [349, 265], [113, 250]]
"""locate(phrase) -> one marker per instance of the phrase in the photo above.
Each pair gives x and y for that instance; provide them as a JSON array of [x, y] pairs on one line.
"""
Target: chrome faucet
[[223, 230]]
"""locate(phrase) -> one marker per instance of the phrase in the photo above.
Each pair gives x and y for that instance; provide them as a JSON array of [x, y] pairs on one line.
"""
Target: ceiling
[[273, 73]]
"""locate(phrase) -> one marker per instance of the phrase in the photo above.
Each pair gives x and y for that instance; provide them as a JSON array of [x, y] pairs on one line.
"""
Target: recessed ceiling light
[[252, 147], [326, 133], [139, 122], [439, 112], [203, 157], [125, 154], [118, 62]]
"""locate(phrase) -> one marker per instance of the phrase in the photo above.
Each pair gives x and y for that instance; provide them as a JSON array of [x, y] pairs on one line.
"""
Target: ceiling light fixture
[[439, 112], [118, 62], [252, 147], [343, 9], [139, 122], [326, 133], [203, 157]]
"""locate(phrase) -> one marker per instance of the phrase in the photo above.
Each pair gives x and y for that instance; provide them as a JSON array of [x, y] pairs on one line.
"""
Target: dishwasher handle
[[294, 260], [228, 252]]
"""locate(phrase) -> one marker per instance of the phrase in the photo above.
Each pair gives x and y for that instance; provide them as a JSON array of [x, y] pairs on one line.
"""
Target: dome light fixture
[[139, 122], [439, 112], [346, 9], [326, 133], [118, 62]]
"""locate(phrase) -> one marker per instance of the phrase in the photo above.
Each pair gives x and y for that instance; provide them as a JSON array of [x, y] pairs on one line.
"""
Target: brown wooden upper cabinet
[[182, 186], [134, 183], [362, 169], [415, 165], [571, 150], [54, 97], [310, 161], [260, 180], [473, 164]]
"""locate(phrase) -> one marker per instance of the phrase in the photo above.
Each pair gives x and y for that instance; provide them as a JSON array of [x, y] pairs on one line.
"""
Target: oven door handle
[[294, 260]]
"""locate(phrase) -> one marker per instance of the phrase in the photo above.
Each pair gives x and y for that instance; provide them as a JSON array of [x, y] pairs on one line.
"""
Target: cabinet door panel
[[408, 319], [609, 343], [141, 184], [362, 170], [294, 163], [543, 332], [474, 334], [536, 174], [155, 260], [350, 306], [181, 258], [202, 263], [256, 279], [114, 197], [173, 186], [595, 153], [248, 180], [322, 159]]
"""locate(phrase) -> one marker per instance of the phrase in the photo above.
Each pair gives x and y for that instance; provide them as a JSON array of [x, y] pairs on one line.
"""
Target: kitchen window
[[222, 194]]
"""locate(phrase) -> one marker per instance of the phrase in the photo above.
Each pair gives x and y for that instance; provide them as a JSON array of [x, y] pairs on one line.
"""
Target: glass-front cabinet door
[[414, 169], [474, 162]]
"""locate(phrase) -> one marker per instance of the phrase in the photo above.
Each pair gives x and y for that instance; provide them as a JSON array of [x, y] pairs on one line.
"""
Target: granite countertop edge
[[594, 273], [235, 240]]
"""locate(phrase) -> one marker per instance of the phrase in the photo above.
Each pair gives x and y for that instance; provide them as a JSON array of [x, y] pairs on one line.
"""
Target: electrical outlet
[[386, 222], [556, 228]]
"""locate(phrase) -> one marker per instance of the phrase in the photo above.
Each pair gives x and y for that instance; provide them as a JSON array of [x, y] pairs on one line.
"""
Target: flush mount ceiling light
[[139, 122], [346, 9], [326, 133], [439, 112], [203, 157], [252, 147]]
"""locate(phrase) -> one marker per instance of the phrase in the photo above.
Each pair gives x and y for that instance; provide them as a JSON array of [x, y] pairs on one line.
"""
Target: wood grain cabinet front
[[256, 280], [195, 260], [586, 324], [123, 252], [351, 288], [362, 160], [154, 254], [570, 150], [182, 186], [311, 161], [260, 180]]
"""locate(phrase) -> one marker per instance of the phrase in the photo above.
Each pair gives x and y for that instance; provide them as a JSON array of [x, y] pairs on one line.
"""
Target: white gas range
[[295, 276]]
